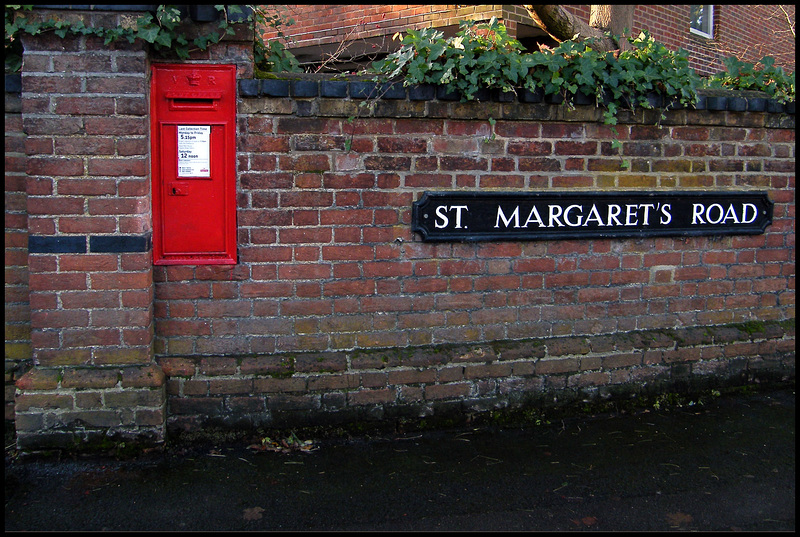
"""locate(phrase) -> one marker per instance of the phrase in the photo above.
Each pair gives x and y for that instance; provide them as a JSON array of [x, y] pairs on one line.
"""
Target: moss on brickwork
[[17, 351], [557, 393], [82, 440], [535, 411]]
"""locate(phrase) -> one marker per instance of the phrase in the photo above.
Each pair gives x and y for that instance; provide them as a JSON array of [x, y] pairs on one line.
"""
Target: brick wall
[[336, 312]]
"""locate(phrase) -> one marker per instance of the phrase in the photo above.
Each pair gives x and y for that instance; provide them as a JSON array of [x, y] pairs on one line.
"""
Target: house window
[[702, 21]]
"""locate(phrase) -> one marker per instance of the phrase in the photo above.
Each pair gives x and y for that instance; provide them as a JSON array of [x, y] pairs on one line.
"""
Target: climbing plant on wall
[[747, 76], [481, 56], [163, 28]]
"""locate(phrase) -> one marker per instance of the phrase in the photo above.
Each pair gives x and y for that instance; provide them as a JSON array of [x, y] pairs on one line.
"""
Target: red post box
[[193, 137]]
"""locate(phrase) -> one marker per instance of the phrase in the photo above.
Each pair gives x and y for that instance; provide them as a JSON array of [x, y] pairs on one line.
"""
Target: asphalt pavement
[[727, 464]]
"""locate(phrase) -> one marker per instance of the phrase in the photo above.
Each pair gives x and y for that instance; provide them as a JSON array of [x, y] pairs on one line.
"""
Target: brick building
[[748, 32]]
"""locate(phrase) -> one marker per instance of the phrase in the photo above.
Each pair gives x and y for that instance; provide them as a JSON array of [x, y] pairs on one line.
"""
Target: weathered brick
[[267, 365], [39, 379], [218, 366], [284, 402], [89, 378], [225, 386], [370, 397], [142, 377], [204, 406], [561, 365], [622, 360], [88, 400], [487, 371], [588, 379], [346, 381], [565, 346], [92, 418], [134, 398], [446, 391], [149, 417], [177, 367], [403, 377], [247, 406], [26, 402]]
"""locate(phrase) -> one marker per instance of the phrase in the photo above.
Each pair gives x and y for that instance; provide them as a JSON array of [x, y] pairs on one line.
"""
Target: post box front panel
[[194, 164], [194, 204]]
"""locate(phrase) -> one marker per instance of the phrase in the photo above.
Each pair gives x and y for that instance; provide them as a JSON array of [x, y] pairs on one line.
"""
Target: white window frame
[[701, 33]]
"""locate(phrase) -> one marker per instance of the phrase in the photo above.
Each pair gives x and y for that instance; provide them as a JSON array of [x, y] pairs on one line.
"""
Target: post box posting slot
[[196, 100], [194, 164]]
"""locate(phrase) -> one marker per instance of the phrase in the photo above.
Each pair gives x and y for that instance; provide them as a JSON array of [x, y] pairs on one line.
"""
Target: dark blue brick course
[[38, 244], [119, 244]]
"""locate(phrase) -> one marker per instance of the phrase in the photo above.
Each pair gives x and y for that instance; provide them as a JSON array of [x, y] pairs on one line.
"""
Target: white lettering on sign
[[443, 221], [577, 216], [194, 151], [717, 214]]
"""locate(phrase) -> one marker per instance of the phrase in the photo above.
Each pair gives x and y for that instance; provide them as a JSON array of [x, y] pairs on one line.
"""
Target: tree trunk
[[563, 26], [616, 19]]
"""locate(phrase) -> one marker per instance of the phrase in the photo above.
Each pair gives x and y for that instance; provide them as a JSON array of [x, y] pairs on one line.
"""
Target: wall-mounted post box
[[193, 136]]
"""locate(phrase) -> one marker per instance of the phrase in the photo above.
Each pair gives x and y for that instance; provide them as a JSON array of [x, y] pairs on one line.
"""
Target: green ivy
[[162, 29], [746, 76], [478, 56], [483, 56], [272, 56]]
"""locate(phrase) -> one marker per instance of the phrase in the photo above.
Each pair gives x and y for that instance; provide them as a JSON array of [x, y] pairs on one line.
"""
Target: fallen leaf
[[589, 521], [284, 446], [253, 513], [679, 519]]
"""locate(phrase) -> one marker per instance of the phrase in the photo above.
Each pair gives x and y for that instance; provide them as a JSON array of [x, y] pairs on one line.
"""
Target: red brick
[[576, 148], [39, 379], [371, 397], [227, 386], [26, 402], [90, 378]]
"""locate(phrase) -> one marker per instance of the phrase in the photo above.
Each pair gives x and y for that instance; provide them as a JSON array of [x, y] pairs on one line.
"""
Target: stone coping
[[359, 89]]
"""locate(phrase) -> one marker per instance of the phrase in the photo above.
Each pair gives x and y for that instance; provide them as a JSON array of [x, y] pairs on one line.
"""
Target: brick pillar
[[17, 313], [85, 117]]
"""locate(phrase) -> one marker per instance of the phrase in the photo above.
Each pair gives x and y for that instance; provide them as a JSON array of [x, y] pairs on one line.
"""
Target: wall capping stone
[[304, 86]]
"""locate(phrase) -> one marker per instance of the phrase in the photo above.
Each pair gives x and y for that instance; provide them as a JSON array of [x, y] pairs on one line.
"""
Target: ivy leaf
[[164, 39], [148, 34]]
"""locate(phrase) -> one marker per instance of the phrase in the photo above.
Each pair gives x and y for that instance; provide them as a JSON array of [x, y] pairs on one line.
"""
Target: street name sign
[[496, 216]]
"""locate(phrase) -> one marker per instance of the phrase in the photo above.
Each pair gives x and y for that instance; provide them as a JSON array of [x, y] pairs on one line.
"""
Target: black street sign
[[498, 216]]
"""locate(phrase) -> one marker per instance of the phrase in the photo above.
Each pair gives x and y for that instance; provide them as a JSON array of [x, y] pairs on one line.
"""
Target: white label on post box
[[194, 150]]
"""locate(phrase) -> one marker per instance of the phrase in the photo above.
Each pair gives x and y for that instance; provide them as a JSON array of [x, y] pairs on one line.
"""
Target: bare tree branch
[[789, 20]]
